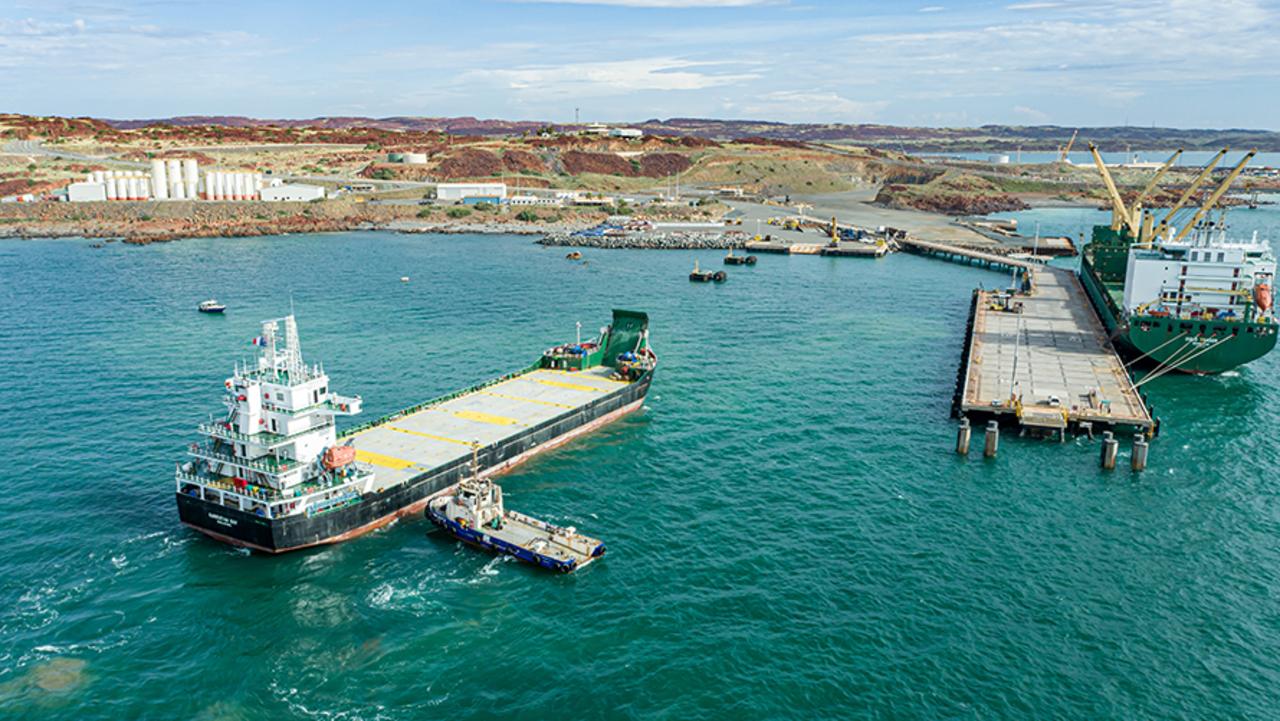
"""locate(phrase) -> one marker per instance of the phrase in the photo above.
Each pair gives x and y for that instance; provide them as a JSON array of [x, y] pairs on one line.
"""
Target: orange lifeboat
[[338, 456], [1262, 296]]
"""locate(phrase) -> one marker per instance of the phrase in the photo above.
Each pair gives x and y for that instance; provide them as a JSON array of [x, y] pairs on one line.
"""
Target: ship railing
[[437, 401], [267, 464], [324, 405], [273, 502], [265, 439]]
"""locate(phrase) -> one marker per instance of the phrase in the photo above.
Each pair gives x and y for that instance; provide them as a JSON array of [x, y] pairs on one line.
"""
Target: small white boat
[[404, 279], [211, 306]]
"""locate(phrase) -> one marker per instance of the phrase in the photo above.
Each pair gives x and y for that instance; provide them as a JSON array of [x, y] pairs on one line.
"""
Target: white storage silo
[[190, 171], [237, 186], [179, 191], [110, 182], [159, 180]]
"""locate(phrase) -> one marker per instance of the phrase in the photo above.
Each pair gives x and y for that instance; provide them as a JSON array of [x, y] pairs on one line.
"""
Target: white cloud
[[932, 9], [809, 105], [612, 78], [1035, 116]]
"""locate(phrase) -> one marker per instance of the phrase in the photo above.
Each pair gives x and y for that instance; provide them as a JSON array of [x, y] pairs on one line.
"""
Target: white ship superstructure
[[275, 452], [1204, 275]]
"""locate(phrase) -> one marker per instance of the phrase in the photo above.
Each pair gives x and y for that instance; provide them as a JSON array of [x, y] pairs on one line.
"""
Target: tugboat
[[731, 259], [705, 276], [211, 306], [1183, 299], [474, 514]]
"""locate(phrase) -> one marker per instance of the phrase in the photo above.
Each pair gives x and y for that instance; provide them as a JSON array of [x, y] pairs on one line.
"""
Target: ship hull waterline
[[247, 530]]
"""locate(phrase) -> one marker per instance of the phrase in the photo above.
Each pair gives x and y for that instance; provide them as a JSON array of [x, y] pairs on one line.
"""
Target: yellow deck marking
[[427, 435], [580, 374], [527, 400], [378, 459], [487, 418], [571, 386]]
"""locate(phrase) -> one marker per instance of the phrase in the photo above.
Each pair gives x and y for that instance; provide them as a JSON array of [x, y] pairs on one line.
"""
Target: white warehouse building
[[295, 193], [462, 191]]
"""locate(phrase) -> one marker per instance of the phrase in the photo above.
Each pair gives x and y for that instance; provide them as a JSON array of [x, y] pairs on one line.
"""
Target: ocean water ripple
[[789, 532]]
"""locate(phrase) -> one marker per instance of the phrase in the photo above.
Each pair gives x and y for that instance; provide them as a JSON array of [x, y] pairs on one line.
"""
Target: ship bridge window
[[1221, 257]]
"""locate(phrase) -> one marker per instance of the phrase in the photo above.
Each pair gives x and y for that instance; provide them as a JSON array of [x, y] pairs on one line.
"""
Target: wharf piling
[[1110, 449], [962, 437], [992, 444], [1139, 458]]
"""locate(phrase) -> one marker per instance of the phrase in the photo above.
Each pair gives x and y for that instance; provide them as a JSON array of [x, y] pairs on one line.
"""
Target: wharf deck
[[409, 445], [843, 248], [856, 249], [1048, 366]]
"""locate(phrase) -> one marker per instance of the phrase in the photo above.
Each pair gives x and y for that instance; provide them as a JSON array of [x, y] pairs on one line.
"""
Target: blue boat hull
[[481, 539]]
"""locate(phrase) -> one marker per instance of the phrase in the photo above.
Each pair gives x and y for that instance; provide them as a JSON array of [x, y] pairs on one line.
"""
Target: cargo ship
[[1187, 300], [274, 474]]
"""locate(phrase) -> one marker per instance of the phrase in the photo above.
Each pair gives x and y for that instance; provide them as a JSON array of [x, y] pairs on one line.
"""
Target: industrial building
[[171, 179], [527, 200], [295, 193], [86, 192], [471, 192]]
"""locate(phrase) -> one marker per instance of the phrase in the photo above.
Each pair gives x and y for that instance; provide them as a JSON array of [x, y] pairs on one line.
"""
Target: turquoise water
[[790, 535]]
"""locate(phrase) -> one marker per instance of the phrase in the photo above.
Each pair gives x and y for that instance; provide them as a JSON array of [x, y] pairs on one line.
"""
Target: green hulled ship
[[1185, 300]]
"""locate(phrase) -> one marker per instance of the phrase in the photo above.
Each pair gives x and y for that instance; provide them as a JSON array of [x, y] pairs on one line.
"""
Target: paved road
[[37, 147], [851, 208]]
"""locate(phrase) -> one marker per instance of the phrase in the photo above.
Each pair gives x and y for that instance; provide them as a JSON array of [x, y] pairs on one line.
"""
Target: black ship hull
[[240, 528]]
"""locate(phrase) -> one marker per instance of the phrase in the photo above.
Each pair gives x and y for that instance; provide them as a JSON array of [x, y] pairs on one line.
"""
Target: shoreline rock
[[649, 241]]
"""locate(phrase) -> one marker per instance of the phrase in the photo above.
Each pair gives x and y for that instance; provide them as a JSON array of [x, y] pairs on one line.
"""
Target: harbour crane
[[1064, 150], [1159, 228], [1215, 195], [1121, 215]]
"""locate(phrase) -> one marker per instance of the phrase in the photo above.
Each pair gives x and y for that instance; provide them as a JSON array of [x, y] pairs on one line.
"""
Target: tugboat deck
[[520, 530], [402, 447]]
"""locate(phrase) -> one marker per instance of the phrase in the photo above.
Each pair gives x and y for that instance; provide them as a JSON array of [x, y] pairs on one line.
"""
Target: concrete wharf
[[842, 248], [1041, 359], [962, 254]]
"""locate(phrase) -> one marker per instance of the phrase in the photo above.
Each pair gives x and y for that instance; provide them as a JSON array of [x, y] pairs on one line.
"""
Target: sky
[[1174, 63]]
